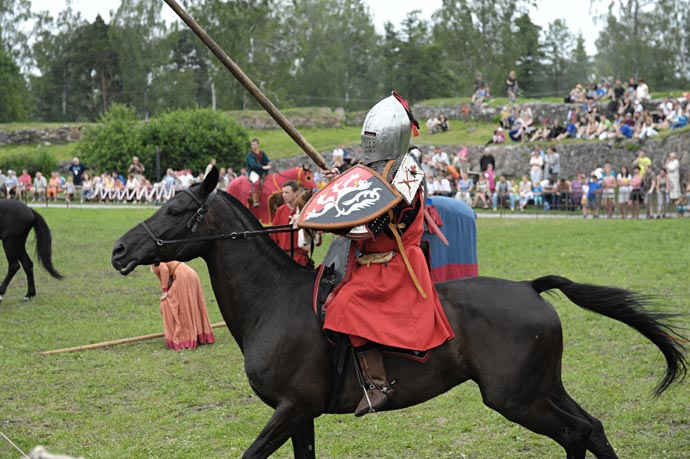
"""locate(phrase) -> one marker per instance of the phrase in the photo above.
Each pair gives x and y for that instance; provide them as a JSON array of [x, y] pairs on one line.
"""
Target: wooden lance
[[115, 342], [260, 97]]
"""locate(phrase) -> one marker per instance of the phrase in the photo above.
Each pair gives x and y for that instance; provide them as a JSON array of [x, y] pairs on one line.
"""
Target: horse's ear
[[211, 180]]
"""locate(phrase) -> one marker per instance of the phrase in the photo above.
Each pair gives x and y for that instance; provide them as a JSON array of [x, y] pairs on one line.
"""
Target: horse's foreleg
[[303, 441], [287, 420]]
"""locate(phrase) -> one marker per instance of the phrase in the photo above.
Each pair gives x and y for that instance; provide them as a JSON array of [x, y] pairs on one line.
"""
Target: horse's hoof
[[0, 298], [27, 298]]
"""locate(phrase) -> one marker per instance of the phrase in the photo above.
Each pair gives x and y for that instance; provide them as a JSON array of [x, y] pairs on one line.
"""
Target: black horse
[[16, 221], [508, 339]]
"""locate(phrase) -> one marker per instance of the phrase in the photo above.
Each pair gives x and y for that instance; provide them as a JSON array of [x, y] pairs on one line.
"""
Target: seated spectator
[[548, 190], [542, 132], [525, 192], [465, 186], [557, 130], [25, 183], [642, 91], [12, 185], [648, 129], [432, 125], [53, 186], [443, 123], [69, 189], [40, 187], [482, 192], [503, 194], [440, 160], [577, 187], [507, 117], [87, 187], [564, 192]]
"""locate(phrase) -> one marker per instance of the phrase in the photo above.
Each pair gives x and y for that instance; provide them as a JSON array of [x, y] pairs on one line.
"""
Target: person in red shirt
[[287, 215]]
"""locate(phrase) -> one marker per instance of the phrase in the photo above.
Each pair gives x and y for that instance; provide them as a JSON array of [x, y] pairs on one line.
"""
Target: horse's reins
[[196, 220]]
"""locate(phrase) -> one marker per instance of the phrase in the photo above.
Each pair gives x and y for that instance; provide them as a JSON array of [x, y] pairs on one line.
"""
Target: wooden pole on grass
[[115, 342]]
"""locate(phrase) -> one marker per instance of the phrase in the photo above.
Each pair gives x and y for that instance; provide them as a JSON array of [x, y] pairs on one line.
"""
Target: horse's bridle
[[196, 220]]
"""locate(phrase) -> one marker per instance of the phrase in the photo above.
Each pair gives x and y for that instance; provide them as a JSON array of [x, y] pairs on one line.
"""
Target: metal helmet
[[386, 129]]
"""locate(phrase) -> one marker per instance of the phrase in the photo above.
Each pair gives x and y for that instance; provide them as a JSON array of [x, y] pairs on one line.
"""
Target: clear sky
[[578, 12]]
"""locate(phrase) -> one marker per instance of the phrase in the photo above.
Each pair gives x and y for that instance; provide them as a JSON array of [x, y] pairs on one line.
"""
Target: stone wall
[[59, 135], [513, 159]]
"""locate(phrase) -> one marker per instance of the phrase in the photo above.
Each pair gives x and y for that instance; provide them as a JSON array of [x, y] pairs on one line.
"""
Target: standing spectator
[[182, 306], [486, 159], [642, 161], [512, 86], [40, 187], [636, 193], [624, 191], [663, 189], [136, 168], [608, 190], [648, 190], [673, 169], [593, 187], [552, 163], [536, 163], [77, 171], [258, 165]]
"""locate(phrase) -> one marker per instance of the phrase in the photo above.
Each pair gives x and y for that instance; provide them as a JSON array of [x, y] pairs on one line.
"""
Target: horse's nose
[[118, 252]]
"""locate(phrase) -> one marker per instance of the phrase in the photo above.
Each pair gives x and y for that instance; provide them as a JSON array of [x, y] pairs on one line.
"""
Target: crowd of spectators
[[629, 115], [78, 184], [607, 189]]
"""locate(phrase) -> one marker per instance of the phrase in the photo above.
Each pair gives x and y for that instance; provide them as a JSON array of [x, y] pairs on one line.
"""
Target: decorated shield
[[354, 198], [408, 178]]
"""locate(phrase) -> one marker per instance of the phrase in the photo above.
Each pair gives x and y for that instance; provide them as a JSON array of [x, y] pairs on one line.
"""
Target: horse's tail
[[44, 244], [629, 308]]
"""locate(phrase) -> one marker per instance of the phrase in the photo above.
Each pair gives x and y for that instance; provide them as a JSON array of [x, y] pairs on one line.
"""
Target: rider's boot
[[378, 388]]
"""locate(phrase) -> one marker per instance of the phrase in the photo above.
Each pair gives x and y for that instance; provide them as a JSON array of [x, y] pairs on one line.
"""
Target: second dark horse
[[508, 338], [16, 221]]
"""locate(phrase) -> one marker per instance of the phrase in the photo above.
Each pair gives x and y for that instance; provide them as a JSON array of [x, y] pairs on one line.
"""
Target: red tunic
[[381, 303], [282, 217]]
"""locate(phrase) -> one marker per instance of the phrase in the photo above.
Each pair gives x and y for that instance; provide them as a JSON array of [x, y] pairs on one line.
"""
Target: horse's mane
[[253, 224]]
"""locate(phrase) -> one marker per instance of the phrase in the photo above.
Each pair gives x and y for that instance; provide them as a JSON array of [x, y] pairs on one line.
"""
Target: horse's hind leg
[[286, 422], [12, 268], [303, 441], [28, 266], [598, 444], [544, 417]]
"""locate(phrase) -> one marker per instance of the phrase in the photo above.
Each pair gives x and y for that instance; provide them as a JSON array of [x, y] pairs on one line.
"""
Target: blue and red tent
[[459, 258]]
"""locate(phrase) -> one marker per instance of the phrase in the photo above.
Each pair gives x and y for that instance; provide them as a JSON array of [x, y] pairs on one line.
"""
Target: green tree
[[528, 54], [413, 62], [110, 144], [336, 53], [136, 32], [581, 69], [558, 41], [14, 97], [189, 139]]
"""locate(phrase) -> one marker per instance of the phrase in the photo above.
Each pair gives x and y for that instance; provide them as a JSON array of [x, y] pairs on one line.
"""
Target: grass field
[[141, 401]]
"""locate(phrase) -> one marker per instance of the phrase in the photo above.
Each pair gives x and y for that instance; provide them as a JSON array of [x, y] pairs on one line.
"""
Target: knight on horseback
[[258, 166], [387, 297]]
